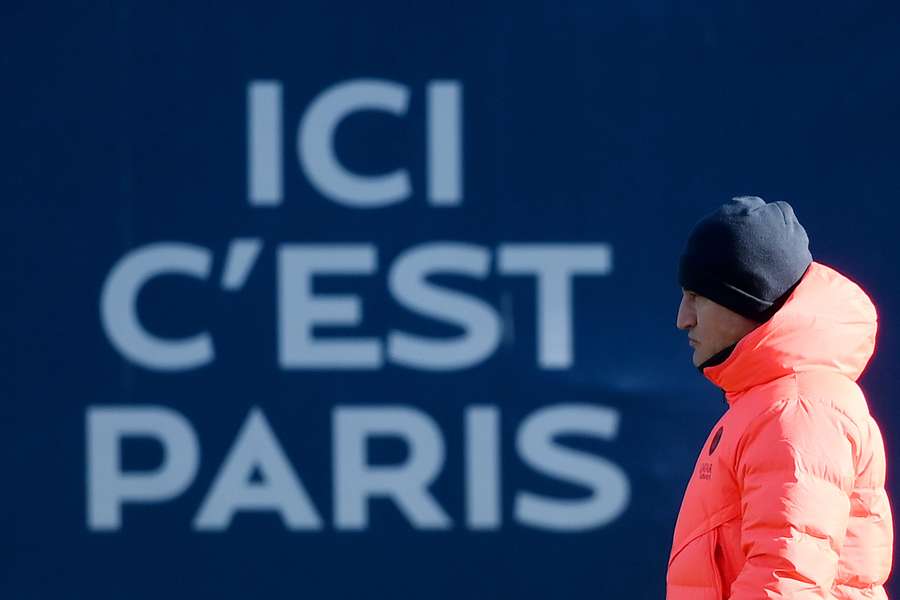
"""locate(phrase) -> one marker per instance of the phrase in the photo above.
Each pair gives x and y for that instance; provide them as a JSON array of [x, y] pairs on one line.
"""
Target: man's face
[[710, 327]]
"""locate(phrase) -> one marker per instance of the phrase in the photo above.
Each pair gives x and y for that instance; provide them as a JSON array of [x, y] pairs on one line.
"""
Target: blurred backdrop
[[377, 299]]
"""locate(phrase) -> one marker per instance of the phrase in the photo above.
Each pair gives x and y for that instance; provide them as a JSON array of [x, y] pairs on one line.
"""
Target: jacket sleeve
[[795, 471]]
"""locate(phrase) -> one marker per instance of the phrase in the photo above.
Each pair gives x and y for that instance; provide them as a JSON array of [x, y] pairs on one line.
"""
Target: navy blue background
[[583, 121]]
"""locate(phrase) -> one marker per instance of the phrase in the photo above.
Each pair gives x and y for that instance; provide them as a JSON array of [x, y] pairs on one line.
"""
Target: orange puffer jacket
[[787, 498]]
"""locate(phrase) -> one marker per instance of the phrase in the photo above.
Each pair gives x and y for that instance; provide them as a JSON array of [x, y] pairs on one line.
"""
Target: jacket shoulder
[[818, 419]]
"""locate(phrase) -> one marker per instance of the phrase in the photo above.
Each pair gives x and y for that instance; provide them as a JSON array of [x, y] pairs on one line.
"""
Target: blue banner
[[378, 299]]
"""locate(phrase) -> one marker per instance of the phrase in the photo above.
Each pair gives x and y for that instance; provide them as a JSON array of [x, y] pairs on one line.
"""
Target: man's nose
[[686, 317]]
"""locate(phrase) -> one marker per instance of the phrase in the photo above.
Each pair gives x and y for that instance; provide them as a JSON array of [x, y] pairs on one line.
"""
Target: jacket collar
[[827, 323]]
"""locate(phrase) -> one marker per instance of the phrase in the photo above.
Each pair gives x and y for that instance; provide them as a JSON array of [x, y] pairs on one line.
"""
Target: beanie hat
[[747, 256]]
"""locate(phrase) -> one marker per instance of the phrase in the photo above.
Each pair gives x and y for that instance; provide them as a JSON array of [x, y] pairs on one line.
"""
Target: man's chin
[[697, 358]]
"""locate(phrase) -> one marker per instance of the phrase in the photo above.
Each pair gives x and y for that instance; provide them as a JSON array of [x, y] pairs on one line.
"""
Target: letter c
[[315, 143], [118, 306]]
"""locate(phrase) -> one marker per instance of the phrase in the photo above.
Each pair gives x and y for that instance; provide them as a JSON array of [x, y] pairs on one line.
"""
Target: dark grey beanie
[[747, 256]]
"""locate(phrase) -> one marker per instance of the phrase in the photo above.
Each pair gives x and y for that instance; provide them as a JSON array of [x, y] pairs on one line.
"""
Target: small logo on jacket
[[715, 441], [705, 470]]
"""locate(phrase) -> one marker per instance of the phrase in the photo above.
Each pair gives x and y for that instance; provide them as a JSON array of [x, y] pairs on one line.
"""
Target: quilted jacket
[[787, 498]]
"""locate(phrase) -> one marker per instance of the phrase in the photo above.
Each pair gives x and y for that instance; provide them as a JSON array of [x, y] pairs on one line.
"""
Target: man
[[787, 498]]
